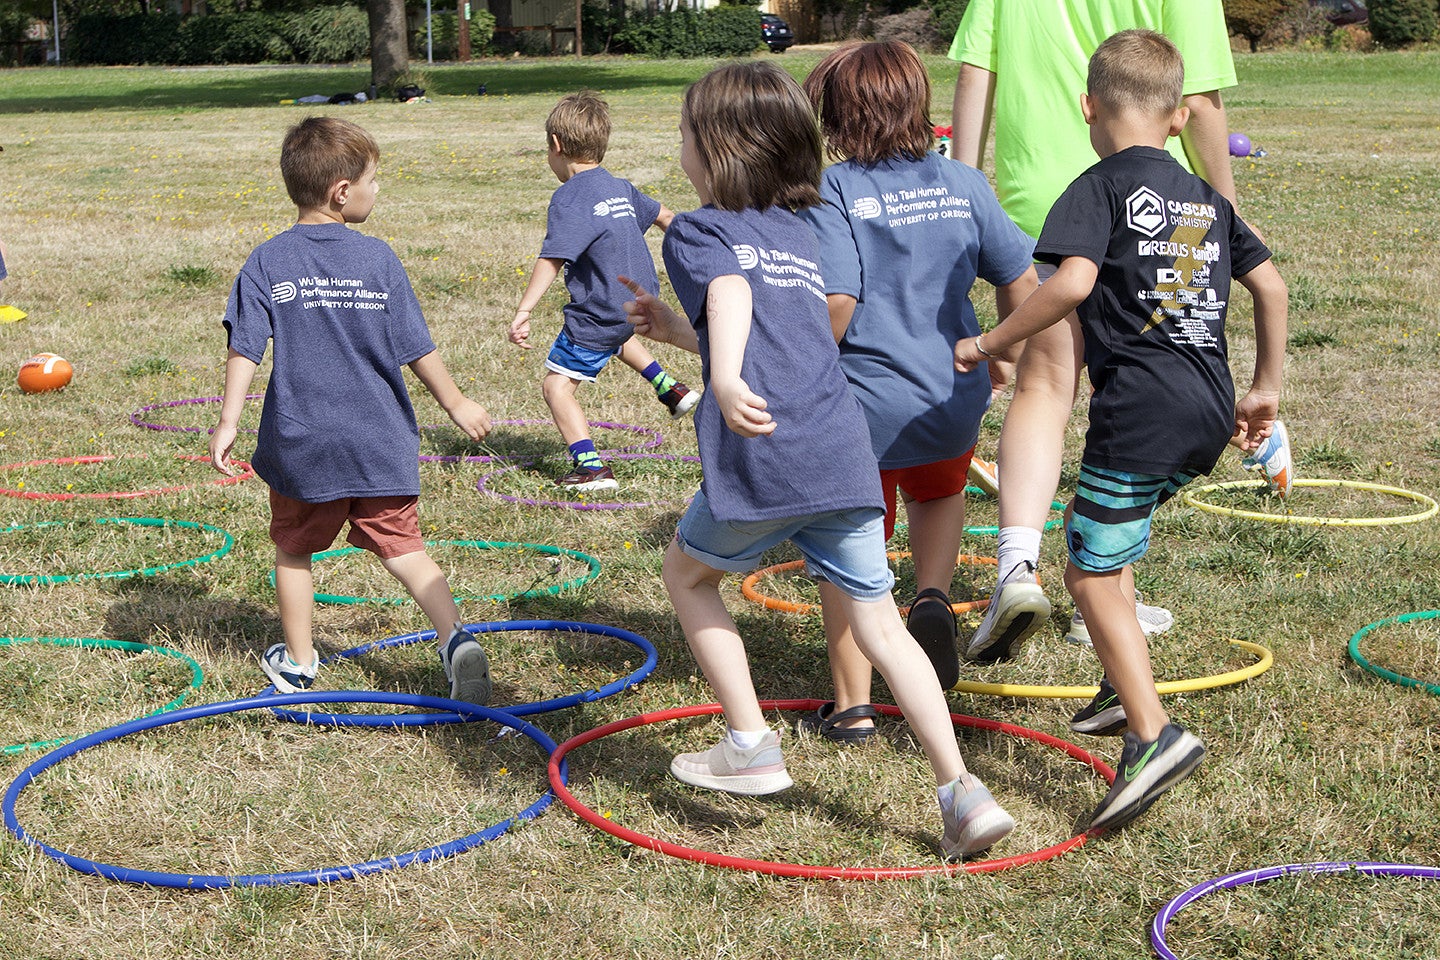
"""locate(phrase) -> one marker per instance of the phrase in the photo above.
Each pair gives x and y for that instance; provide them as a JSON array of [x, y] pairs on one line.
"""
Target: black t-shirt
[[1166, 244]]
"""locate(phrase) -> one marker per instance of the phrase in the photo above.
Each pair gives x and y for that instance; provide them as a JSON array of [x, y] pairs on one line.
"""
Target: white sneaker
[[974, 822], [1153, 620], [1272, 458], [1017, 609], [753, 772], [985, 474]]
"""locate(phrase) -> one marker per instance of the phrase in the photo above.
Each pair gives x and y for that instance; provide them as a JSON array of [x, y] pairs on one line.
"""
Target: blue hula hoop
[[183, 881], [519, 710]]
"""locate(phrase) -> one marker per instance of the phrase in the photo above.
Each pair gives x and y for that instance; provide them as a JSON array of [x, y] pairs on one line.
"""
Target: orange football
[[45, 371]]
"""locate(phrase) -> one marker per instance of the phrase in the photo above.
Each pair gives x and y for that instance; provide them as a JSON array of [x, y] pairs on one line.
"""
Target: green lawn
[[129, 198]]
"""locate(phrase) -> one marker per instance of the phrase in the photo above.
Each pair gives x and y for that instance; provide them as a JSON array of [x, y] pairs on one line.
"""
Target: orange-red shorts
[[928, 481], [386, 526]]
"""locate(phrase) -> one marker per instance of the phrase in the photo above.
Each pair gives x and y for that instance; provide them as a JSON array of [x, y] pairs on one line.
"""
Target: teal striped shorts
[[1109, 523]]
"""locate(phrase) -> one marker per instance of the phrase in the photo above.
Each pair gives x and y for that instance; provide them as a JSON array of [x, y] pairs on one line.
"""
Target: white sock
[[747, 739], [1018, 545]]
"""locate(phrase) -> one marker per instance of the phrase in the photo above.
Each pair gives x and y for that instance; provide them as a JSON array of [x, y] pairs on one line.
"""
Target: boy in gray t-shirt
[[338, 439], [595, 231]]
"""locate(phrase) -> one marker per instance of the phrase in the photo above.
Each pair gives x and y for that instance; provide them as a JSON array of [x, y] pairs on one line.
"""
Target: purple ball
[[1239, 145]]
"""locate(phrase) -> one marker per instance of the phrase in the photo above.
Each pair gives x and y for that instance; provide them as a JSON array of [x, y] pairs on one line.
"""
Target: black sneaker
[[589, 480], [1147, 770], [1102, 717], [931, 622], [679, 400]]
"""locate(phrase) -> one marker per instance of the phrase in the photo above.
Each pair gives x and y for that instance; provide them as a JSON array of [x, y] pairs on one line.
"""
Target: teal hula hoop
[[1381, 672], [197, 676], [35, 579], [591, 572]]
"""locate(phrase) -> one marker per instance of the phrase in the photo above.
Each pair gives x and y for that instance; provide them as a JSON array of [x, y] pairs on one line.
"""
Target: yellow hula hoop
[[1266, 661], [1192, 497]]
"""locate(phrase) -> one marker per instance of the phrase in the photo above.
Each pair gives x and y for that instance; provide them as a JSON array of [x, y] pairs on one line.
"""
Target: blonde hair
[[319, 152], [755, 134], [873, 101], [581, 122], [1140, 70]]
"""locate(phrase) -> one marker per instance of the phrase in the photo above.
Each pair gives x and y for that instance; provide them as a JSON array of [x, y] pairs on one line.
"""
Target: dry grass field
[[129, 198]]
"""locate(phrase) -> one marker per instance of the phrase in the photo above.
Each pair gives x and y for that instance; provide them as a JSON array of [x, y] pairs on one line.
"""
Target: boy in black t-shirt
[[1151, 293]]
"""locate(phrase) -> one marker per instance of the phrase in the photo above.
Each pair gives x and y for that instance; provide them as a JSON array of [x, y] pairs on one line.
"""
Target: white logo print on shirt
[[284, 292]]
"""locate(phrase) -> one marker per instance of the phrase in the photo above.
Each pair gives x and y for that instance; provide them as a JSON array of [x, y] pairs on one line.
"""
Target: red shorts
[[928, 481], [386, 526]]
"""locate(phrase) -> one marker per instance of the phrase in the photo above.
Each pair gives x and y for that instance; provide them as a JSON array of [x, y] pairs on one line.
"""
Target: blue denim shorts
[[570, 359], [1108, 526], [846, 548]]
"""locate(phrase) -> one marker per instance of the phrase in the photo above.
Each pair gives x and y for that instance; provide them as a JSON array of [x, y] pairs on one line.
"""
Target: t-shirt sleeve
[[248, 318], [647, 208], [409, 335], [694, 256], [568, 230], [1079, 224], [974, 41], [1006, 251], [1247, 251], [839, 255], [1199, 31]]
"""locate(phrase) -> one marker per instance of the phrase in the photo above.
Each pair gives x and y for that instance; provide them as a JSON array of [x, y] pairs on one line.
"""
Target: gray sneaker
[[1017, 609], [466, 667], [974, 822], [1145, 771], [1153, 620], [753, 772]]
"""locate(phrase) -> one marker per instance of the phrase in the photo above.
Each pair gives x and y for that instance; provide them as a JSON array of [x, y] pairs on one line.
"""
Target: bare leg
[[422, 578], [848, 666], [1107, 602], [935, 530], [635, 356], [714, 639], [559, 391], [295, 596]]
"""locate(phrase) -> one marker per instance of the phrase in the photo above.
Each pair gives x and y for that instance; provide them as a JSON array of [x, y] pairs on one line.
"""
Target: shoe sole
[[683, 408], [936, 634], [982, 834], [1137, 797], [1014, 624], [470, 675], [592, 486], [986, 479], [813, 725], [746, 785], [281, 684], [1106, 723]]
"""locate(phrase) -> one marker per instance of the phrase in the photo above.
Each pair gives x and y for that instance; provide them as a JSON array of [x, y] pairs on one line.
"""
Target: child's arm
[[728, 306], [1257, 410], [467, 414], [1008, 298], [239, 373], [1047, 306], [545, 272], [842, 311], [663, 218], [656, 321]]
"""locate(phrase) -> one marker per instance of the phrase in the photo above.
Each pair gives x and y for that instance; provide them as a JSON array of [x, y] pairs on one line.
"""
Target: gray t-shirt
[[907, 238], [818, 460], [596, 224], [344, 321]]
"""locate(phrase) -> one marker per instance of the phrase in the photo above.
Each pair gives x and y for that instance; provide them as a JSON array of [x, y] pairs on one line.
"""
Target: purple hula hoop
[[138, 417], [1262, 874], [482, 486]]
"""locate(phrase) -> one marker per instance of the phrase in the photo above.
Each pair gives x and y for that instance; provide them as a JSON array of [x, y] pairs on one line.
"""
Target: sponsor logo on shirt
[[614, 208], [781, 268], [865, 208], [1145, 212], [747, 256], [283, 292]]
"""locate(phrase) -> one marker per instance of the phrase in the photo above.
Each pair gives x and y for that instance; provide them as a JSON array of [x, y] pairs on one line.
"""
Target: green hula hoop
[[1428, 507], [197, 676], [1163, 688], [974, 491], [591, 572], [1381, 672], [27, 579]]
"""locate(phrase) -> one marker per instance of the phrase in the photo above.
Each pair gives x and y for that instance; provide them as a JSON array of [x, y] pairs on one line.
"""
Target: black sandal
[[823, 721], [933, 626]]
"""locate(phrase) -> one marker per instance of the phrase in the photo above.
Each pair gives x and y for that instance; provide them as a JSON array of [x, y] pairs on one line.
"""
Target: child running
[[1145, 254], [595, 231], [338, 438], [784, 444], [904, 234]]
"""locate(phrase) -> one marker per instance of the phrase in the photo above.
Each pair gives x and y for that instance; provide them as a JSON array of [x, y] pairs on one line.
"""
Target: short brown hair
[[756, 136], [1140, 70], [581, 122], [873, 100], [319, 152]]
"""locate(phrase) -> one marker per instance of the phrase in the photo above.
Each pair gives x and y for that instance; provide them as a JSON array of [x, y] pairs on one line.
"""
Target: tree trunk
[[389, 47]]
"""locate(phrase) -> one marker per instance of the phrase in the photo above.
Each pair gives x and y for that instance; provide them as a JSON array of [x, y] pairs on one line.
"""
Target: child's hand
[[221, 440], [471, 417], [967, 355], [743, 410], [520, 330], [648, 315], [1002, 374], [1255, 417]]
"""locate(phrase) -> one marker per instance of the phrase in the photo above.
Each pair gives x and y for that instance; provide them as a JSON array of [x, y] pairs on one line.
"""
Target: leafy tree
[[1251, 18], [389, 46], [1399, 23]]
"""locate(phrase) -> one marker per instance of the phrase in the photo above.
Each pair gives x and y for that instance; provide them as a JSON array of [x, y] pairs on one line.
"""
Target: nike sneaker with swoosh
[[1103, 716], [1146, 771]]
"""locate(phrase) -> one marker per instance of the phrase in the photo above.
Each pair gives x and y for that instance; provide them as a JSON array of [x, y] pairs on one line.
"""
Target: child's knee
[[680, 571]]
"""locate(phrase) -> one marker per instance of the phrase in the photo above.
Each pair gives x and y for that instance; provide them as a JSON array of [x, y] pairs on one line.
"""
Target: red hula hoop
[[809, 871], [246, 472]]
